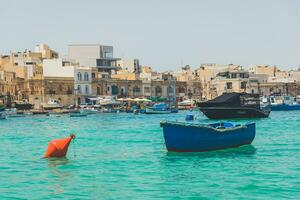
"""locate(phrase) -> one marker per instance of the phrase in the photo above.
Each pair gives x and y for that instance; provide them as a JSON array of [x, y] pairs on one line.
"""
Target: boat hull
[[233, 112], [180, 137], [284, 107], [152, 111]]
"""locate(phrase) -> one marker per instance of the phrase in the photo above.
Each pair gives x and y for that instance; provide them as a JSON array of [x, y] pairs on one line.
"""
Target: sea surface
[[123, 156]]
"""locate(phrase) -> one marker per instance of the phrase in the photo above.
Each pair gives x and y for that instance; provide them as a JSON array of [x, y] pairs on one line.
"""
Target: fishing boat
[[234, 105], [52, 104], [13, 113], [22, 105], [158, 108], [190, 137], [186, 104], [280, 103], [77, 113]]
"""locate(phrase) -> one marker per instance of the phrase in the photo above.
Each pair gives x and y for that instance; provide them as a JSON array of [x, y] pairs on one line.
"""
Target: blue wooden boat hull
[[283, 107], [184, 137]]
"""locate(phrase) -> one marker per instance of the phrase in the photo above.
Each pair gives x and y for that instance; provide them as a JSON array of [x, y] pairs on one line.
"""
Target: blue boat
[[189, 137], [281, 103], [158, 108]]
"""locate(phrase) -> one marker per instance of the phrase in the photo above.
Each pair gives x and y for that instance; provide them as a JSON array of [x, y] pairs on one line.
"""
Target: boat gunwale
[[163, 123]]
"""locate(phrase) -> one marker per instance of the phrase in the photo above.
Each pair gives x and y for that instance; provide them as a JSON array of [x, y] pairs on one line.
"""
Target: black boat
[[234, 105]]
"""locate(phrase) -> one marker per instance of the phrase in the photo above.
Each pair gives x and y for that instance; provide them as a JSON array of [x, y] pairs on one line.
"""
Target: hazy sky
[[164, 34]]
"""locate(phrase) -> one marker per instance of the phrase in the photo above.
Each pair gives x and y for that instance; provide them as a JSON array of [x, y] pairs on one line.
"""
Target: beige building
[[270, 71], [125, 75], [207, 72], [233, 80], [130, 65], [186, 74]]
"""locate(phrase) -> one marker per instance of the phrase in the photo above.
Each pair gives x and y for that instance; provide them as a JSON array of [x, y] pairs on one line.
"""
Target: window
[[108, 55], [136, 91], [243, 85], [87, 91], [170, 90], [93, 75], [79, 77], [229, 85], [181, 89], [98, 90], [147, 89], [233, 75], [158, 91], [86, 76], [79, 89]]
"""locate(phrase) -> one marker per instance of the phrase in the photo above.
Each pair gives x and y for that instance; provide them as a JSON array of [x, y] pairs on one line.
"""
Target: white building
[[58, 68], [94, 55], [83, 84]]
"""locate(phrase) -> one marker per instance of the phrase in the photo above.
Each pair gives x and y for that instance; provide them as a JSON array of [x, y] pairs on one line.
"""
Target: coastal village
[[90, 71]]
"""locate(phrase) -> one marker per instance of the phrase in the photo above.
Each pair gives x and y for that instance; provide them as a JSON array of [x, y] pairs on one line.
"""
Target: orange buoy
[[58, 148]]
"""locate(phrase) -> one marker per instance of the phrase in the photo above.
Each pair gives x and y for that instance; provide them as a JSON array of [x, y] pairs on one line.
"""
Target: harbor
[[111, 157], [154, 100]]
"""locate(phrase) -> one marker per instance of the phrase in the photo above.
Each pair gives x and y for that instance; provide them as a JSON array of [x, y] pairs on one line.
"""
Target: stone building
[[233, 80], [181, 90], [207, 72], [165, 87]]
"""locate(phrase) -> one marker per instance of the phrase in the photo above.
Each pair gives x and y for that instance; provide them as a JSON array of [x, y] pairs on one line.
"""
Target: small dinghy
[[189, 137]]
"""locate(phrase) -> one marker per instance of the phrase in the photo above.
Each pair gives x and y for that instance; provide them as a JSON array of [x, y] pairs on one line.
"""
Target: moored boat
[[13, 113], [186, 104], [281, 103], [188, 137], [159, 108], [234, 105], [52, 104], [154, 111], [22, 105], [77, 113]]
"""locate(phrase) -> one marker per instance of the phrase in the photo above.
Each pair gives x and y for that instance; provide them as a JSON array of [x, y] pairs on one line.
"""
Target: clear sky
[[164, 34]]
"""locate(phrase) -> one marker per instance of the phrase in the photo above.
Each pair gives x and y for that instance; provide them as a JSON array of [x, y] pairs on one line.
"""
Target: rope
[[74, 147]]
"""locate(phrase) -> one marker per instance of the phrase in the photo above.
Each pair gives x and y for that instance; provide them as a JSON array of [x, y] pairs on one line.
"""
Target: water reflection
[[54, 162]]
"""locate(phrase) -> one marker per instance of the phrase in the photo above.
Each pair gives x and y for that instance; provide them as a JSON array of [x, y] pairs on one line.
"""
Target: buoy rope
[[74, 147]]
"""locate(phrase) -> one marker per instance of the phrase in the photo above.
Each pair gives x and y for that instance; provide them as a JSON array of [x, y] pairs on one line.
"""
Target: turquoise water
[[122, 156]]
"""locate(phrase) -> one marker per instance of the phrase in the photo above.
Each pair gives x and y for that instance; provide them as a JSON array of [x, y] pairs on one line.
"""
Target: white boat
[[186, 104], [52, 104]]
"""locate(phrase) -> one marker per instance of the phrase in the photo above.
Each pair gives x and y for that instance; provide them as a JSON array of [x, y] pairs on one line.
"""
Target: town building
[[84, 77], [130, 65], [94, 55], [233, 80]]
